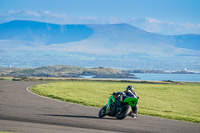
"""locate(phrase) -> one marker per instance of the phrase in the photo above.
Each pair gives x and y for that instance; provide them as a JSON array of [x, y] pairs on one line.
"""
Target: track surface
[[21, 111]]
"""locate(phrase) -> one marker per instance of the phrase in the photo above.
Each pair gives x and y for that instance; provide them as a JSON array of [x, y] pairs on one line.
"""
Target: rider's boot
[[134, 115]]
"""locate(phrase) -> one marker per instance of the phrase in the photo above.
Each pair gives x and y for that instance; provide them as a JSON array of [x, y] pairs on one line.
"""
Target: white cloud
[[191, 26], [12, 12], [165, 27], [152, 20], [31, 13], [53, 14], [88, 18]]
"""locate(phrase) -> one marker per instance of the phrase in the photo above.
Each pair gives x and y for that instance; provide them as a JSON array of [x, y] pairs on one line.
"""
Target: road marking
[[28, 89]]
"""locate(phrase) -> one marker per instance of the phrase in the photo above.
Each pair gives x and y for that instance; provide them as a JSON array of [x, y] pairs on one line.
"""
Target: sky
[[169, 17]]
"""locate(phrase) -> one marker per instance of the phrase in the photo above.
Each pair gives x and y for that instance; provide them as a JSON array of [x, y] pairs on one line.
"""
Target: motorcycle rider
[[129, 92]]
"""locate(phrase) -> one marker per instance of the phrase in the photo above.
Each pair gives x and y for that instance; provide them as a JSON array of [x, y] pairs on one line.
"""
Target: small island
[[79, 72], [66, 72]]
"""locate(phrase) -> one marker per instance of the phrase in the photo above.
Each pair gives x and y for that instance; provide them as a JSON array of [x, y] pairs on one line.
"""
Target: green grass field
[[7, 132], [172, 101]]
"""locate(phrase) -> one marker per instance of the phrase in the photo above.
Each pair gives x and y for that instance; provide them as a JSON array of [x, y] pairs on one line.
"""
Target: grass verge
[[172, 101], [7, 132], [6, 78]]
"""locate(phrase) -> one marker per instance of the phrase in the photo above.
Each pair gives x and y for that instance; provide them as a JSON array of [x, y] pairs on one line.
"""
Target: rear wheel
[[126, 111], [102, 112]]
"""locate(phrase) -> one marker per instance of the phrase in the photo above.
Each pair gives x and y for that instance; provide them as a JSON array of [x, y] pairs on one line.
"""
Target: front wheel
[[102, 112], [126, 111]]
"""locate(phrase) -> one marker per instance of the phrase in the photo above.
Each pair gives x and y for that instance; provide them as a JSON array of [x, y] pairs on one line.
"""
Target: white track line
[[28, 89]]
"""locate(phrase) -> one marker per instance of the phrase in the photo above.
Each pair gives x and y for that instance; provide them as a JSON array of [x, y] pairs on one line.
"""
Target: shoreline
[[93, 79]]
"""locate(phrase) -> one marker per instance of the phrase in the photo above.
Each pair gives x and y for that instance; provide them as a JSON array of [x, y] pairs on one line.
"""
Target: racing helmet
[[130, 88]]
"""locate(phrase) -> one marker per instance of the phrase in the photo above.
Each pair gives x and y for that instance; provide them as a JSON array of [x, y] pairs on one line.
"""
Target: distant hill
[[45, 33], [35, 44], [66, 71], [189, 41]]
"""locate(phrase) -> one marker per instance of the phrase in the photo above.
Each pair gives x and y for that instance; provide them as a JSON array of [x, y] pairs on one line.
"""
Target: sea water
[[159, 77], [172, 77]]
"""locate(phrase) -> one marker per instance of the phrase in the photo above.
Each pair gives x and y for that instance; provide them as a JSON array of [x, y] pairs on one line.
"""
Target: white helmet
[[130, 88]]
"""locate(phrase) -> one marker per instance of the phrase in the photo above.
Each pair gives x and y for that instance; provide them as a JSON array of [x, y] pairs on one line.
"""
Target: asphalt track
[[22, 111]]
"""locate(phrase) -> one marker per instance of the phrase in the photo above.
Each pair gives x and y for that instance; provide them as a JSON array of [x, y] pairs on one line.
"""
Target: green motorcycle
[[119, 106]]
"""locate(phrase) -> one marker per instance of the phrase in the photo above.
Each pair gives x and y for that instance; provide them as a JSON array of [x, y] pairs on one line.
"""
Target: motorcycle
[[119, 106]]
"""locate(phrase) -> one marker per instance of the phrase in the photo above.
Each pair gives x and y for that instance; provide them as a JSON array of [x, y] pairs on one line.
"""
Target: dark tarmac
[[22, 111]]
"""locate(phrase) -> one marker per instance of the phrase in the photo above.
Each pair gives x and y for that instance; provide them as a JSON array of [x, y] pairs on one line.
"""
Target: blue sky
[[159, 16]]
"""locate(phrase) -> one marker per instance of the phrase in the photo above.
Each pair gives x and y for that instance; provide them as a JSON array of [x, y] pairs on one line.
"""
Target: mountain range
[[35, 44]]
